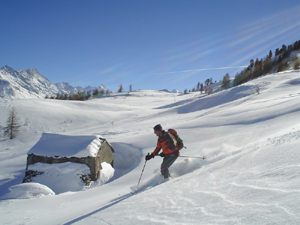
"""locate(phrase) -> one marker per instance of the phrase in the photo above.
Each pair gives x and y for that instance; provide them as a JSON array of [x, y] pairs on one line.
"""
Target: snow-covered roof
[[65, 145]]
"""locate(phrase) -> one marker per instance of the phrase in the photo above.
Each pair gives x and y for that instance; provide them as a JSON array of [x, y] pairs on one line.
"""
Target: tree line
[[80, 95], [85, 95], [283, 59], [280, 62]]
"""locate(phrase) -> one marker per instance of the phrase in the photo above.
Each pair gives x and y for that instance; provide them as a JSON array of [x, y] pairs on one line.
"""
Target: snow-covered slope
[[250, 175], [26, 84]]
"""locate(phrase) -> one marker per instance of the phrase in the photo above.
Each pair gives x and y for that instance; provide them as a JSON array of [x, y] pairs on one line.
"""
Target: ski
[[134, 192]]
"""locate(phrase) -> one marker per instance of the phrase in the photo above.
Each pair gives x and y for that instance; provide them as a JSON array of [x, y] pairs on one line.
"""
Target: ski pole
[[197, 157], [141, 175]]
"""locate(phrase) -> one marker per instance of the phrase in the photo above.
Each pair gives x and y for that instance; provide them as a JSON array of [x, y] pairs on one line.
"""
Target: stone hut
[[56, 148]]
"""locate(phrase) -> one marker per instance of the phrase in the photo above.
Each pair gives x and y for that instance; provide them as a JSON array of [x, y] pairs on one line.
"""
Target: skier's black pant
[[167, 162]]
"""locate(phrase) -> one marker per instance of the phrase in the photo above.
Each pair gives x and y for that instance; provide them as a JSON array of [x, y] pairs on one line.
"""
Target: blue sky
[[150, 44]]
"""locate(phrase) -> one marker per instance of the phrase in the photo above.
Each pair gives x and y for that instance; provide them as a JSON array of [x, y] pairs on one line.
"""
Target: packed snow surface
[[251, 141]]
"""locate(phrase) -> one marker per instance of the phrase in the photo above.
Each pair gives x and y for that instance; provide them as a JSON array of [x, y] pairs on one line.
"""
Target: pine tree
[[198, 87], [296, 64], [121, 88], [226, 81], [251, 63], [201, 88], [13, 124], [88, 94], [267, 65], [65, 96], [270, 54], [207, 82]]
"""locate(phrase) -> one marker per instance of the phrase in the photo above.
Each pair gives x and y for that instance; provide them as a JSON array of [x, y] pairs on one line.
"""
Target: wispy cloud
[[204, 69]]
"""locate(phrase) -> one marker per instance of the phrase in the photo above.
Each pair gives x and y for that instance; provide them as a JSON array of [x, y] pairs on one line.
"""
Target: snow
[[65, 145], [29, 190], [250, 175], [60, 177]]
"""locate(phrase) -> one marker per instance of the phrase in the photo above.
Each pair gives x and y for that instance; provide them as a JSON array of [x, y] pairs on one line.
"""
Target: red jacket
[[167, 143]]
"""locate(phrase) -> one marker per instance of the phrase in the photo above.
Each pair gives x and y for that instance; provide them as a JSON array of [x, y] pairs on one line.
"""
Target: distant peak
[[6, 67], [32, 70]]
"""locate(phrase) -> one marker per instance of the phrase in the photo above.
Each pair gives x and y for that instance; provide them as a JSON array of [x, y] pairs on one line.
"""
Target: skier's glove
[[162, 154], [149, 156]]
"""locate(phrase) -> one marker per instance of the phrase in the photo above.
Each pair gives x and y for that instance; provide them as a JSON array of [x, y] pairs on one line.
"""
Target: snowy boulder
[[55, 155]]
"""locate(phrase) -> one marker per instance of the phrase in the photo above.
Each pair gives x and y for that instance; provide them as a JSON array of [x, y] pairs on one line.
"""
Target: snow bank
[[106, 173], [28, 190]]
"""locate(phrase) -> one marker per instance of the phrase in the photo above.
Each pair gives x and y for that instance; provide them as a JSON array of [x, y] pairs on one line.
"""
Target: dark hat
[[158, 127]]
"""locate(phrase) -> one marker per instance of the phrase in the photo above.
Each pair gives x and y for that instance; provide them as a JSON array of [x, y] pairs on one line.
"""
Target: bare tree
[[13, 124], [208, 90], [257, 90]]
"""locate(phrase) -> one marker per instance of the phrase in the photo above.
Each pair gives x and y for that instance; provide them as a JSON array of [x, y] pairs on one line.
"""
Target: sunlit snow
[[251, 141]]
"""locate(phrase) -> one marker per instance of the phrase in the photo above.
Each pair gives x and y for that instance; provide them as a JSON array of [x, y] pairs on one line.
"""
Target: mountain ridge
[[29, 83]]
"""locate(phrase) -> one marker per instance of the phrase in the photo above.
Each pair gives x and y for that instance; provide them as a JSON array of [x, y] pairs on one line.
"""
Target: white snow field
[[251, 141]]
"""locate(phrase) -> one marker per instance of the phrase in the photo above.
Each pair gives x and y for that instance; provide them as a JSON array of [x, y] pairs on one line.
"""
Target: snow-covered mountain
[[89, 88], [26, 84], [65, 88]]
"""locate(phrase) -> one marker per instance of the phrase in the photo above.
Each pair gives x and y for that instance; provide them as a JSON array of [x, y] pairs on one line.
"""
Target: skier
[[167, 143]]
